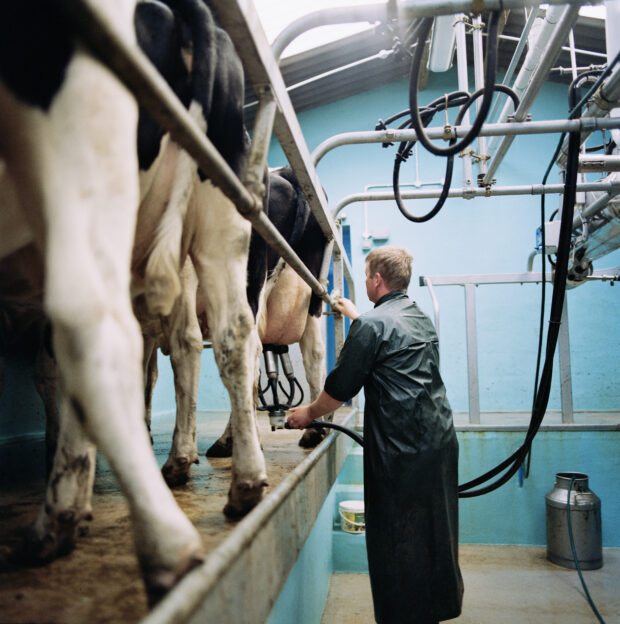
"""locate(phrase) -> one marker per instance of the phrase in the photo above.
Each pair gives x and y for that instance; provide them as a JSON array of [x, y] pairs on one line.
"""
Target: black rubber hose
[[574, 551], [402, 151], [489, 82], [320, 424]]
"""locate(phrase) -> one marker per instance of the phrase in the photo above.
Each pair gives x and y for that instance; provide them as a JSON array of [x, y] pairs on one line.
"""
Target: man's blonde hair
[[393, 264]]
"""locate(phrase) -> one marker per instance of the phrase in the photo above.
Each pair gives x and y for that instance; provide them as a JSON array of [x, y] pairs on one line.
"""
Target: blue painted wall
[[304, 594]]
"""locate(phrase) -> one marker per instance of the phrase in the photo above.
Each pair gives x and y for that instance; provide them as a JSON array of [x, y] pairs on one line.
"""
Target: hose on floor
[[574, 551]]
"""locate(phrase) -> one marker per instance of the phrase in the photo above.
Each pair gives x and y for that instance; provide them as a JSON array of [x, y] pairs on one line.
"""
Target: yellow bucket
[[352, 516]]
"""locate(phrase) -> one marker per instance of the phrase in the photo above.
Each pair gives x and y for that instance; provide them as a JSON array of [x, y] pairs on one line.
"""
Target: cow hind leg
[[313, 355], [68, 495], [185, 340], [220, 256], [90, 194]]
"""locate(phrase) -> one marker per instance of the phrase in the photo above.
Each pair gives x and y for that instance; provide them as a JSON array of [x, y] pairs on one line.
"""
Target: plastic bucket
[[352, 517]]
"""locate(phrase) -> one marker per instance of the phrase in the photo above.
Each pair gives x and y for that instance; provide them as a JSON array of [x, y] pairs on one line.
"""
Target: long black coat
[[410, 462]]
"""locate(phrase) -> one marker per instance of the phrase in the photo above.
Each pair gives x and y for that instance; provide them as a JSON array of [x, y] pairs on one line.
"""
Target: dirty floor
[[99, 582]]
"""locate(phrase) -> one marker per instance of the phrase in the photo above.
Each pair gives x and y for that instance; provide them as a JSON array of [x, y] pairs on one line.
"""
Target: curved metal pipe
[[498, 129], [534, 189]]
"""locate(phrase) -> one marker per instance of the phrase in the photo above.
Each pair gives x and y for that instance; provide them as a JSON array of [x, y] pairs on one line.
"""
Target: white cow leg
[[68, 493], [89, 191], [151, 372], [185, 340], [313, 355], [46, 382], [220, 258]]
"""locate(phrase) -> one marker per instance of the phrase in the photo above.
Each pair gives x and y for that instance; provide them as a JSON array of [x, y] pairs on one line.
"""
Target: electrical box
[[552, 237]]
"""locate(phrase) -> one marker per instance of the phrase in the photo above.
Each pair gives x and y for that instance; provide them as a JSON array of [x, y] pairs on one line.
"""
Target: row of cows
[[123, 246]]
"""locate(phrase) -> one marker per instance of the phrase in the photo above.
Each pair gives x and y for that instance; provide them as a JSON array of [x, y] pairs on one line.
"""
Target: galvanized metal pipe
[[500, 191], [407, 9], [590, 163], [479, 83], [499, 129], [539, 75], [463, 82], [521, 43], [602, 103]]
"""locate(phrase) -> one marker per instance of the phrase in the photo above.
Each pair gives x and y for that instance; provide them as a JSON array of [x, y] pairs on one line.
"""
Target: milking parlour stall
[[172, 255]]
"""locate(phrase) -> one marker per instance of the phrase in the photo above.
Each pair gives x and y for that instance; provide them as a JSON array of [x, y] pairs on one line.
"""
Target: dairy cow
[[190, 236], [289, 312], [70, 186]]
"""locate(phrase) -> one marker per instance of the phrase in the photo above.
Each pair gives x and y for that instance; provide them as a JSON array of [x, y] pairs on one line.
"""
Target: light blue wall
[[304, 594]]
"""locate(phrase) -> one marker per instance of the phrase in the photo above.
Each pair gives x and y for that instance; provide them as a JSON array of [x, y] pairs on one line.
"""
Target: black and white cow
[[289, 312], [187, 225], [70, 185]]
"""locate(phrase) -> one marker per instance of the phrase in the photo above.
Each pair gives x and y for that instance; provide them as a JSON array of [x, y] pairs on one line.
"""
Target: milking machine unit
[[277, 410]]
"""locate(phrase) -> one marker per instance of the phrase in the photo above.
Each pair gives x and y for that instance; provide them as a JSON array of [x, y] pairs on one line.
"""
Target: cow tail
[[199, 19]]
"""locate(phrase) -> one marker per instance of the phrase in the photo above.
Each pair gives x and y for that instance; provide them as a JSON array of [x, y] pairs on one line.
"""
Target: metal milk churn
[[585, 519]]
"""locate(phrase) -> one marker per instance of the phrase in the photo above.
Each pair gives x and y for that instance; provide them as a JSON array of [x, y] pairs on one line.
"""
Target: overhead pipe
[[592, 163], [407, 9], [500, 191], [463, 82], [542, 60], [479, 84], [498, 129], [603, 102], [521, 42]]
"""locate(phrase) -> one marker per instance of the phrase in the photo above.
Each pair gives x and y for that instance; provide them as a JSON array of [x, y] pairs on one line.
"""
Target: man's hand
[[346, 307], [300, 417]]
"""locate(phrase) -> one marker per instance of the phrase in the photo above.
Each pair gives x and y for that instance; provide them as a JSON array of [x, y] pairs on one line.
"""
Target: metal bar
[[242, 23], [472, 354], [144, 81], [537, 80], [566, 386], [429, 284], [479, 84], [407, 9], [463, 82], [612, 188], [338, 318], [261, 138], [522, 41], [589, 124], [485, 278], [600, 105], [371, 13], [598, 163]]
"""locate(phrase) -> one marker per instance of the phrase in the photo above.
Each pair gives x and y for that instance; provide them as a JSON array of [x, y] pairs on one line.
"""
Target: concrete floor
[[503, 585]]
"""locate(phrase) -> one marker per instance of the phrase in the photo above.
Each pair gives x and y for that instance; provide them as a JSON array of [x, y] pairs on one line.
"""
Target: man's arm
[[347, 308], [302, 416]]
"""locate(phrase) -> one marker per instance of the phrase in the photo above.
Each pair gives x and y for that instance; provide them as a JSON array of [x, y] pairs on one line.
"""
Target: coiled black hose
[[401, 155], [489, 82]]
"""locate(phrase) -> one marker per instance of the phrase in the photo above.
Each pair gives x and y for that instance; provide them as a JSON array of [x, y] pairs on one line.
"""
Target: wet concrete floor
[[99, 581]]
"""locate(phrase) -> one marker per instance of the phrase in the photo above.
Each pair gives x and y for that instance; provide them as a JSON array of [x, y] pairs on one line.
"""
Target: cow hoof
[[312, 438], [56, 538], [159, 583], [220, 448], [246, 498], [177, 471]]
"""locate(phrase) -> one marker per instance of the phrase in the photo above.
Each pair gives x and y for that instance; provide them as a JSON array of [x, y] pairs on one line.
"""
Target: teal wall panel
[[304, 594]]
